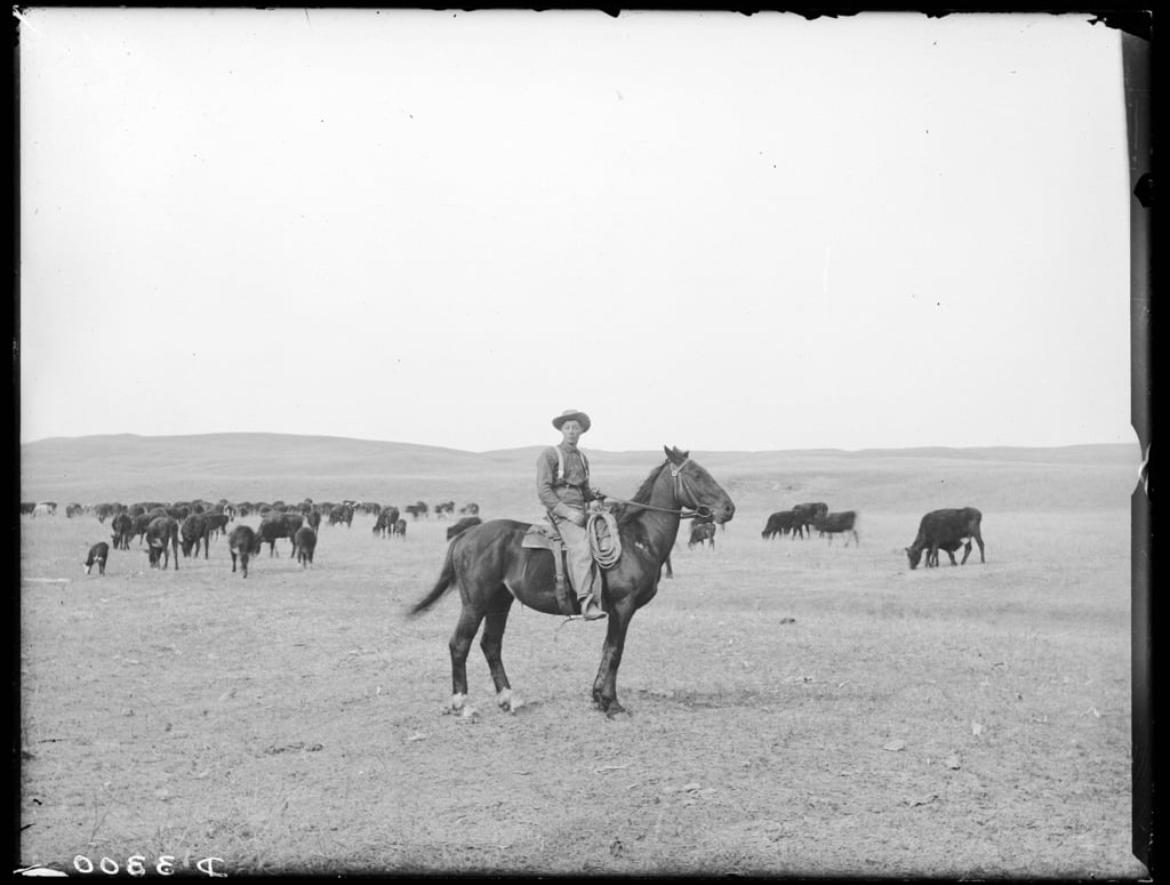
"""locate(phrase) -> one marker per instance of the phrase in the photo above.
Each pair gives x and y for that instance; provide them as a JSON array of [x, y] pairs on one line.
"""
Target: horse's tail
[[446, 582]]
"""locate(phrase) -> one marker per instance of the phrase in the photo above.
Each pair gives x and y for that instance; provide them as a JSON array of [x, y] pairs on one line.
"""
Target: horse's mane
[[629, 511]]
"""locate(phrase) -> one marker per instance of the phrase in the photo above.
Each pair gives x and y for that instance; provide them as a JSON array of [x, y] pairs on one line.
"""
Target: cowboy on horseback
[[562, 484]]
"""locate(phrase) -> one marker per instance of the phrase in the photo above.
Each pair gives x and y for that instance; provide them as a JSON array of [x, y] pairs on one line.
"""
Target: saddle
[[546, 537]]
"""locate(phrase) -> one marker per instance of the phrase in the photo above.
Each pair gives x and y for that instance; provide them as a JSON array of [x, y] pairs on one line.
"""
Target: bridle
[[676, 473]]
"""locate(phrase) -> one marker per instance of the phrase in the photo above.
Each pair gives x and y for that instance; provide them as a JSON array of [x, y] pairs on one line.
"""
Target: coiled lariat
[[604, 540]]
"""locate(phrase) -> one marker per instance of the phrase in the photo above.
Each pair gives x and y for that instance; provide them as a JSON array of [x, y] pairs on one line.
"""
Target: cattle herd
[[946, 529], [166, 529], [189, 526]]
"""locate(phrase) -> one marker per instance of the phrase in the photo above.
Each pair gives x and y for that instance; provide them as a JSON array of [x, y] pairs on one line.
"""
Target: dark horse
[[491, 569]]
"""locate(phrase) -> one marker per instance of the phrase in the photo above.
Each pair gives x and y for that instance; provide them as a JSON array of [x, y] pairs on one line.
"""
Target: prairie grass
[[797, 708]]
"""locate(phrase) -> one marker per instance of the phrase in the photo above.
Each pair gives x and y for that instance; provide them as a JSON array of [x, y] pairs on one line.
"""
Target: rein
[[676, 473]]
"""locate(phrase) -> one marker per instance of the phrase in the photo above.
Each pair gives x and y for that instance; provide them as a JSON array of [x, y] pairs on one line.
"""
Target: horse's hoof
[[509, 702]]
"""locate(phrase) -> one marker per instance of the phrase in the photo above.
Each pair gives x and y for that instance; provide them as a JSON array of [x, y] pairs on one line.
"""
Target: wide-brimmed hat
[[572, 415]]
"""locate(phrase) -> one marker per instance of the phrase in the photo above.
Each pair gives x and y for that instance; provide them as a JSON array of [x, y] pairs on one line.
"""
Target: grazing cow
[[193, 533], [98, 553], [704, 531], [416, 510], [244, 543], [838, 524], [162, 535], [946, 530], [469, 510], [444, 509], [805, 516], [72, 510], [304, 543], [123, 527], [28, 508], [104, 511], [779, 523], [462, 526], [399, 529], [279, 525]]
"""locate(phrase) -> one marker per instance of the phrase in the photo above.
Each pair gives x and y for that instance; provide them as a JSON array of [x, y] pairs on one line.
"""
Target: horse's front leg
[[492, 644], [460, 645], [605, 685]]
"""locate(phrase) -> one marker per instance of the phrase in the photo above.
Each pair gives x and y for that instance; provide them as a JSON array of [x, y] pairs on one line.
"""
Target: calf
[[98, 553], [779, 523], [162, 535], [702, 532], [838, 524], [946, 530], [462, 526], [399, 529], [304, 543], [243, 543]]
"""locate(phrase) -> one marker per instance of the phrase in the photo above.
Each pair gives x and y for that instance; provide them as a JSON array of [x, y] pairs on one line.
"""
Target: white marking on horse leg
[[509, 701], [458, 700]]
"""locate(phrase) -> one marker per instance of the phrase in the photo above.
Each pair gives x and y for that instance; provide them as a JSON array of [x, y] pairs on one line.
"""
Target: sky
[[721, 232]]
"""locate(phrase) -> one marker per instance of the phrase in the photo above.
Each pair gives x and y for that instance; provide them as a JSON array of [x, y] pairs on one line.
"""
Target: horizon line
[[541, 445]]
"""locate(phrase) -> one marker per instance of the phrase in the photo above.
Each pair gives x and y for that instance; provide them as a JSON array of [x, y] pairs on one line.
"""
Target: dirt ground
[[796, 708]]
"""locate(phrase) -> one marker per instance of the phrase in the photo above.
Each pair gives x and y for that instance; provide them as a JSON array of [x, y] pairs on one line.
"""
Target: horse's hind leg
[[460, 645], [495, 622]]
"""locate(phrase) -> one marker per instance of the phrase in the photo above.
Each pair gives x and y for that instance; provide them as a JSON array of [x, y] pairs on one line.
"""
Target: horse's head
[[695, 487]]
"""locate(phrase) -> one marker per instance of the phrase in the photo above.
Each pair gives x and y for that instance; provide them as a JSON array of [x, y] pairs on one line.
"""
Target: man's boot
[[590, 609]]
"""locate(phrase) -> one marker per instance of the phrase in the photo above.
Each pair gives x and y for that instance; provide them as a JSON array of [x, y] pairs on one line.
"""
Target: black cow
[[383, 524], [805, 516], [779, 523], [192, 533], [342, 513], [838, 524], [462, 526], [313, 519], [142, 522], [946, 530], [123, 528], [417, 510], [304, 543], [72, 510], [27, 508], [445, 509], [162, 535], [279, 525], [217, 523], [244, 543], [704, 531], [399, 529], [98, 553]]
